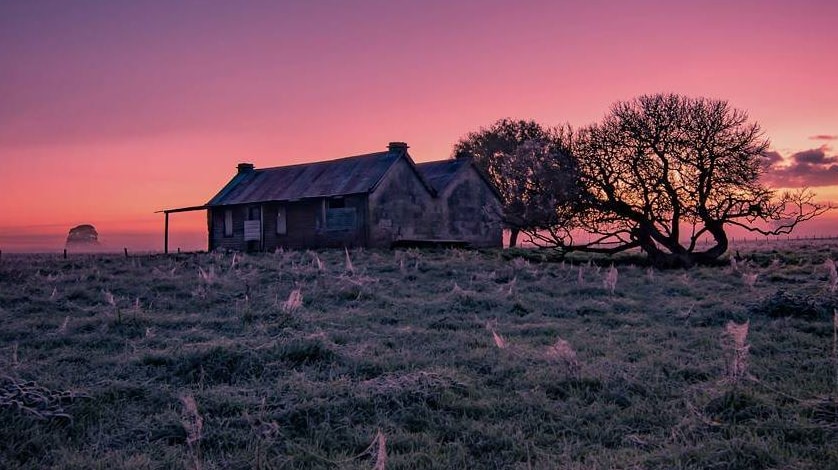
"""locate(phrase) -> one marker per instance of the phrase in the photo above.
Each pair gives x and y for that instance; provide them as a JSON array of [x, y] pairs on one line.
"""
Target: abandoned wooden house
[[377, 200]]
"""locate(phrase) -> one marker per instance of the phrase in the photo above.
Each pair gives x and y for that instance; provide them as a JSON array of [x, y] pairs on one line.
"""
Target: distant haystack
[[83, 236]]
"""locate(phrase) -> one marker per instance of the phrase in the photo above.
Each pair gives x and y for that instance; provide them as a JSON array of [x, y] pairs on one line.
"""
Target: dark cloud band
[[808, 168]]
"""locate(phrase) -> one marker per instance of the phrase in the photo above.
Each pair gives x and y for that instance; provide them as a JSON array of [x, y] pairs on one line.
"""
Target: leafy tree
[[532, 172], [666, 173]]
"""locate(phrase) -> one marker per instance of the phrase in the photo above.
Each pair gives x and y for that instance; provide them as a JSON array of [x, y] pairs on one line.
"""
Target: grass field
[[437, 359]]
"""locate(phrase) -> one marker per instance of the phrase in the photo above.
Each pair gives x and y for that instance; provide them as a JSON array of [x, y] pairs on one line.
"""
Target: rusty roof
[[351, 175]]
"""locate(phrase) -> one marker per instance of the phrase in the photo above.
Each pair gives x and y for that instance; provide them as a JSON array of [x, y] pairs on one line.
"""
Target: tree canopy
[[529, 168], [664, 173]]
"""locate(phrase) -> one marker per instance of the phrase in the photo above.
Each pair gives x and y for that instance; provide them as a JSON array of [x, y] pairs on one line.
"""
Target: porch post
[[166, 236], [262, 227]]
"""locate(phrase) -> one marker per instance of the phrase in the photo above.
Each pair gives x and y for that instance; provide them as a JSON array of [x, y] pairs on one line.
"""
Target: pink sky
[[114, 110]]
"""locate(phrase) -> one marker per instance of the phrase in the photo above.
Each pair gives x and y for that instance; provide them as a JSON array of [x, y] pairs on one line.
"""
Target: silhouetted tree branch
[[663, 172]]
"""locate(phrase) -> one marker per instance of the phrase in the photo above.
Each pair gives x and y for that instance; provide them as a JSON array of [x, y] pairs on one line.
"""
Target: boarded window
[[281, 221], [228, 223], [337, 216], [340, 218], [252, 230]]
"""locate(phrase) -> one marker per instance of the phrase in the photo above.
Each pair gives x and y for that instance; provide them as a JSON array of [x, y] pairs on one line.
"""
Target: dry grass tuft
[[460, 293], [378, 449], [562, 351], [207, 276], [835, 346], [499, 341], [734, 265], [294, 302], [520, 264], [610, 279], [15, 359], [193, 424], [63, 328], [509, 288], [350, 269], [738, 345], [109, 298], [750, 279], [457, 290], [833, 274]]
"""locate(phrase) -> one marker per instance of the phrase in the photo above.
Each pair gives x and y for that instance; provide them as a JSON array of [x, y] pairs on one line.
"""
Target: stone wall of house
[[471, 211], [402, 208]]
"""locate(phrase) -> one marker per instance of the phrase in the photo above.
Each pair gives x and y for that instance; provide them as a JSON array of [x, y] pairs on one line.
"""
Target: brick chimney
[[397, 146], [245, 167]]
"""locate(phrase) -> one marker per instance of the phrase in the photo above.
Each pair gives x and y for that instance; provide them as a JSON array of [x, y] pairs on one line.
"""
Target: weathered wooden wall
[[305, 226], [218, 241]]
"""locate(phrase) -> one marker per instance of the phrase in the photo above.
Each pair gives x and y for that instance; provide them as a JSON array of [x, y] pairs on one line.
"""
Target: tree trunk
[[673, 255], [669, 255], [513, 237], [712, 254], [667, 259]]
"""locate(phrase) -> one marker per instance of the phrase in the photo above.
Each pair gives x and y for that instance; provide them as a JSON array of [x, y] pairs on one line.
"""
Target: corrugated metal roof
[[440, 173], [350, 175]]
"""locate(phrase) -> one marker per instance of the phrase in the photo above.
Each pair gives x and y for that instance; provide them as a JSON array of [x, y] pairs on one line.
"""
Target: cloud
[[807, 168], [771, 158], [824, 137]]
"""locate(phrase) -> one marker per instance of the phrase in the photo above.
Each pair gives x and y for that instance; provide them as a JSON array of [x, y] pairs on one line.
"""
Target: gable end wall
[[402, 208], [471, 211]]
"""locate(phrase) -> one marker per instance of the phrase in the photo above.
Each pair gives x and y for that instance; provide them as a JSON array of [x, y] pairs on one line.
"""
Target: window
[[281, 221], [228, 222], [336, 203], [338, 216]]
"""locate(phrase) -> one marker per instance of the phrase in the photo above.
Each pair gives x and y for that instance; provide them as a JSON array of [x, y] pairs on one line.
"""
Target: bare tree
[[532, 172], [664, 172]]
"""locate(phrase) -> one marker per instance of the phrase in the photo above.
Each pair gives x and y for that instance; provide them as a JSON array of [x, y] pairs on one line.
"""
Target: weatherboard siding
[[306, 228], [218, 241]]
